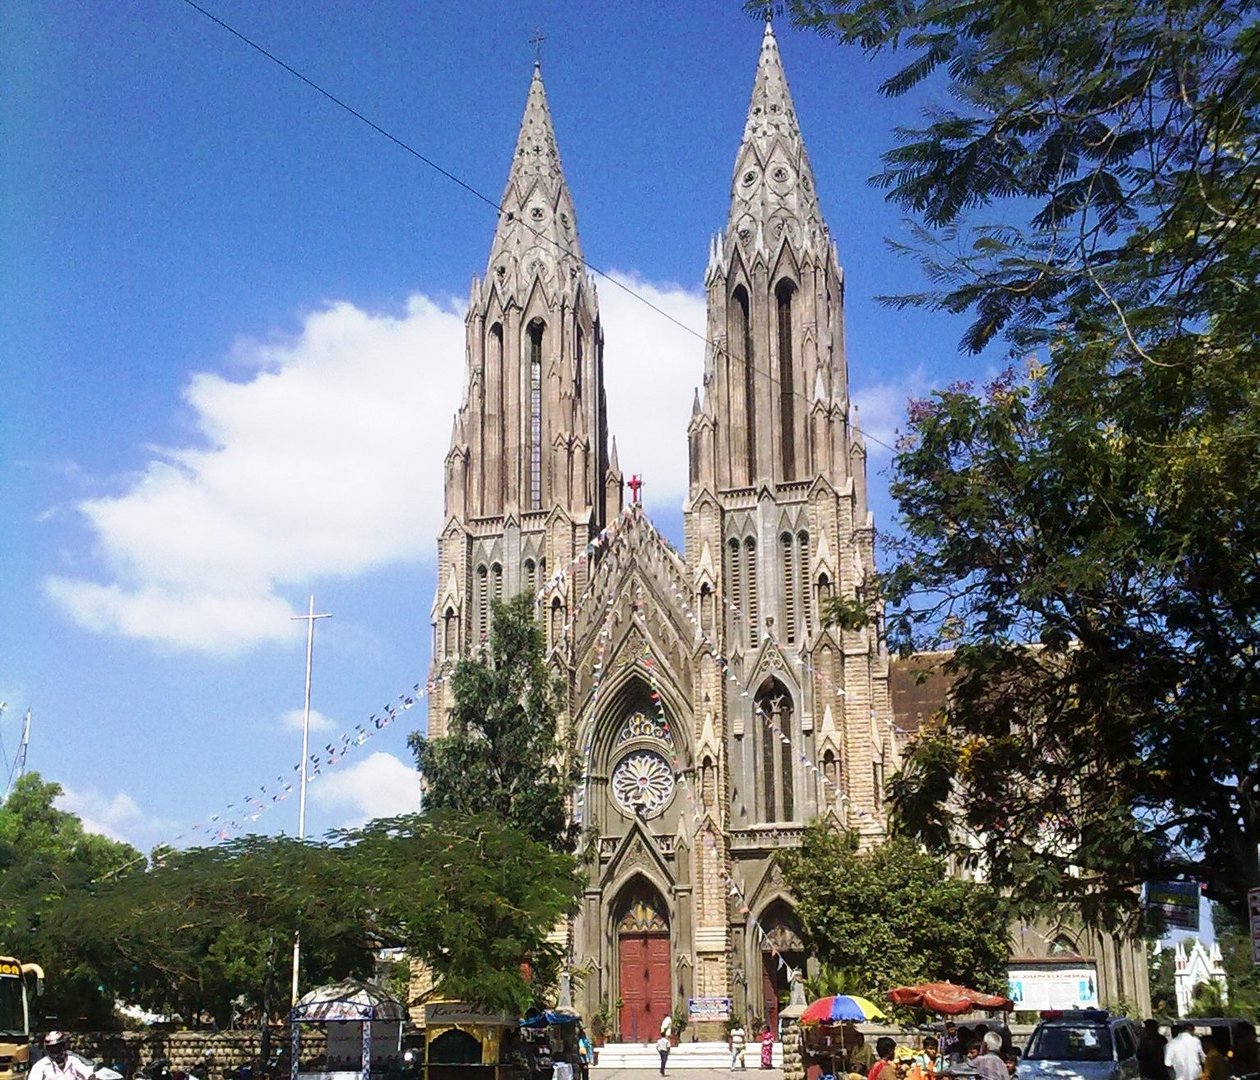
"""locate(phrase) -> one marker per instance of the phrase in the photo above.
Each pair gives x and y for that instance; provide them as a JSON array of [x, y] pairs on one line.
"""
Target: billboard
[[1050, 985], [1178, 901], [708, 1008]]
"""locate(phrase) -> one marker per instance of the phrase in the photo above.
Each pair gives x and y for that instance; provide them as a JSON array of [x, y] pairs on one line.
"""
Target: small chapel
[[715, 714]]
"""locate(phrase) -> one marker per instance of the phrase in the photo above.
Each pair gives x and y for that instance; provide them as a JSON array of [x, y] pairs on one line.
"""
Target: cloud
[[378, 786], [323, 461], [292, 720], [882, 410], [652, 368], [113, 817]]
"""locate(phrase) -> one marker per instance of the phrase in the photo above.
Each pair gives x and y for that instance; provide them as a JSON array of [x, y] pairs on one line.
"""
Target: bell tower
[[528, 477]]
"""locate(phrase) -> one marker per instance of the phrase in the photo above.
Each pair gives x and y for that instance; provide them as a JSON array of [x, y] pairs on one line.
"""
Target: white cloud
[[882, 410], [378, 786], [113, 817], [652, 368], [292, 720], [326, 460]]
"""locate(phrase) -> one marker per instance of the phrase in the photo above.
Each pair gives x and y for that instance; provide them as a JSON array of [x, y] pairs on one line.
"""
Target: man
[[885, 1048], [662, 1048], [949, 1041], [736, 1043], [1215, 1064], [58, 1063], [1150, 1052], [988, 1063], [586, 1054], [1184, 1055]]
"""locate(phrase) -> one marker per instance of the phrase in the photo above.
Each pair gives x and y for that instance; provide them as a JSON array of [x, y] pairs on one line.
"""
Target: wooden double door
[[643, 976]]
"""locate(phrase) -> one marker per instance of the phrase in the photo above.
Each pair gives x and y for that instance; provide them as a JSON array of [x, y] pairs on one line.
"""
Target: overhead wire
[[405, 146]]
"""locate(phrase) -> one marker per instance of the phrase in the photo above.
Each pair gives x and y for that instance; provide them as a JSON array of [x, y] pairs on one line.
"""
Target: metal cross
[[537, 41]]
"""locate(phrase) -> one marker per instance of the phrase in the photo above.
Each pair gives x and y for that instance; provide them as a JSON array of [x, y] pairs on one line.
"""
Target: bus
[[19, 983]]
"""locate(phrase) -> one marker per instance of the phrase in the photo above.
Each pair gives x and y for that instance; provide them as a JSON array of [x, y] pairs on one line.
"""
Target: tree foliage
[[504, 753], [1086, 539], [893, 915], [47, 861]]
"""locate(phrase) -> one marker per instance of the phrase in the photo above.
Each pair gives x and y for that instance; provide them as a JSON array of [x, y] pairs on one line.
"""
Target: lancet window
[[787, 378], [535, 414], [777, 780]]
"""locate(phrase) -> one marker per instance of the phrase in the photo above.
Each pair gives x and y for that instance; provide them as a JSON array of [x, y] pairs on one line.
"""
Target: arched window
[[741, 340], [496, 582], [580, 357], [735, 592], [535, 414], [777, 781], [787, 378], [706, 609], [831, 773], [450, 633], [824, 590], [492, 468], [750, 577], [708, 782], [802, 578], [531, 577], [483, 604], [557, 621], [788, 557]]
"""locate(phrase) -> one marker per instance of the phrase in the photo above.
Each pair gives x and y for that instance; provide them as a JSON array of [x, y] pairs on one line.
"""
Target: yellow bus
[[19, 983]]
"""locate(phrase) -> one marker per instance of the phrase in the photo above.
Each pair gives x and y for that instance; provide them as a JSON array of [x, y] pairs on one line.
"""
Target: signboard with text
[[708, 1008], [1071, 985], [1177, 901]]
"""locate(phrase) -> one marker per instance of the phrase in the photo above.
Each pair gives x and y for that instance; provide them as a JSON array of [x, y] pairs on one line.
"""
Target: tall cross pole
[[309, 618]]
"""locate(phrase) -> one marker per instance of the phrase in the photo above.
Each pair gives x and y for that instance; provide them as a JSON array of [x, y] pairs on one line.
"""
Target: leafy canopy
[[1084, 540], [893, 915], [504, 753]]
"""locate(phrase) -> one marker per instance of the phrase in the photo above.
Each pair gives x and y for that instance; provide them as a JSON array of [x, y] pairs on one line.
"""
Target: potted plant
[[680, 1024], [602, 1021]]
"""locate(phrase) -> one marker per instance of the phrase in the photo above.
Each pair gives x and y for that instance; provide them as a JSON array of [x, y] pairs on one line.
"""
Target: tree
[[47, 861], [1160, 969], [1084, 539], [893, 915], [504, 753], [1241, 976], [473, 898]]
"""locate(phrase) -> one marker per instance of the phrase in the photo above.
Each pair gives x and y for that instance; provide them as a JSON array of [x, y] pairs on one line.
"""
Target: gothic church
[[715, 714]]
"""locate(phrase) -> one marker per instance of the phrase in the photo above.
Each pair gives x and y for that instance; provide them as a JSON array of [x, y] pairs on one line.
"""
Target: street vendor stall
[[550, 1039], [831, 1044], [363, 1023], [464, 1042]]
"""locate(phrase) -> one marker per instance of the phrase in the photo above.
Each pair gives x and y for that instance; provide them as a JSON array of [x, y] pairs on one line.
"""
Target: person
[[662, 1048], [58, 1063], [1150, 1052], [885, 1048], [586, 1054], [667, 1025], [1184, 1054], [767, 1048], [988, 1062], [1011, 1056], [1246, 1059], [858, 1051], [1215, 1064], [736, 1041], [949, 1040], [929, 1056]]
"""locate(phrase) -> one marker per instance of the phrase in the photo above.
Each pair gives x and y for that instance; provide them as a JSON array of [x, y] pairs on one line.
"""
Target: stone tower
[[528, 477]]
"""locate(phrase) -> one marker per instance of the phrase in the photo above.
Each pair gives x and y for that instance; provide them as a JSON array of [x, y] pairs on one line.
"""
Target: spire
[[536, 235], [773, 188]]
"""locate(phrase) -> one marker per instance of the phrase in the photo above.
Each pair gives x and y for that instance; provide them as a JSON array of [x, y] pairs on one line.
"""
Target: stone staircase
[[686, 1055]]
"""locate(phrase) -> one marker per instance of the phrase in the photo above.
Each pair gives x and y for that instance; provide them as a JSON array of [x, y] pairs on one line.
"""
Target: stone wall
[[129, 1050]]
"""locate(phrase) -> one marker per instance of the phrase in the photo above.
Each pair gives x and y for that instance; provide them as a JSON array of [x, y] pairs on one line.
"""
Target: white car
[[1086, 1044]]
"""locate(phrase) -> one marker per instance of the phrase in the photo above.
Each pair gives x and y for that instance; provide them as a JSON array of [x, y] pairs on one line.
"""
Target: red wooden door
[[770, 992], [644, 978]]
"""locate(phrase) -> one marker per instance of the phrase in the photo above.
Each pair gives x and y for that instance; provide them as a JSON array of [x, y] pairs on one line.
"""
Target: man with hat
[[58, 1063]]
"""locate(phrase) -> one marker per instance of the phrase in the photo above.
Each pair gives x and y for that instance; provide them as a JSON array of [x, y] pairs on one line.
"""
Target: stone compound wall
[[130, 1050]]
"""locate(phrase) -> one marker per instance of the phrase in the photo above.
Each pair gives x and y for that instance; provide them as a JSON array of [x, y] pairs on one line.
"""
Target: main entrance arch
[[782, 952], [643, 962]]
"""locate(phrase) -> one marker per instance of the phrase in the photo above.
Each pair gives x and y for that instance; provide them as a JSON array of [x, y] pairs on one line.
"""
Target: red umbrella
[[946, 997]]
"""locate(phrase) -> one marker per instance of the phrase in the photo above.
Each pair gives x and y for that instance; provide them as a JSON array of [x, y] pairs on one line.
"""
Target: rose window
[[642, 782]]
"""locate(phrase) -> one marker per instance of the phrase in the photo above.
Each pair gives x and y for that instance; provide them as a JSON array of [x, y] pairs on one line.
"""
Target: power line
[[405, 146]]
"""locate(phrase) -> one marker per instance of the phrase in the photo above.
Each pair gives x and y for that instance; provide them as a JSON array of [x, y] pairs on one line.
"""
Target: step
[[686, 1055]]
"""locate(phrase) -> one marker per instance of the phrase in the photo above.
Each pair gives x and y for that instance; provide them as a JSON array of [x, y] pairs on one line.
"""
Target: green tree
[[1241, 975], [892, 914], [1160, 968], [47, 860], [1084, 540], [504, 753], [473, 898]]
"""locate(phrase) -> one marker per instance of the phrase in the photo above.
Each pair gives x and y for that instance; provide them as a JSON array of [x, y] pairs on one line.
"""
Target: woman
[[767, 1048]]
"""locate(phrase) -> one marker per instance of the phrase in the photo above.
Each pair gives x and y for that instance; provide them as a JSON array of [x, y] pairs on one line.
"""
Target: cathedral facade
[[715, 715]]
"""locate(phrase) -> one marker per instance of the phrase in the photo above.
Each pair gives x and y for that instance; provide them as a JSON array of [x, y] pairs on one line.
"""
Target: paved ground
[[686, 1074]]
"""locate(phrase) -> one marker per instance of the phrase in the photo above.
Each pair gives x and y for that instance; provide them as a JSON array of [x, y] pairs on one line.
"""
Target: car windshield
[[1070, 1042], [11, 1020]]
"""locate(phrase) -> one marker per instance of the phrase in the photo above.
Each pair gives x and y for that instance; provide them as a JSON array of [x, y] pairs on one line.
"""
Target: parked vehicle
[[1085, 1044]]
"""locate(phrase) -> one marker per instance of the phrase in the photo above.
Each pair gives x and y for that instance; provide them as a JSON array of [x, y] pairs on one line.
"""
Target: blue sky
[[231, 347]]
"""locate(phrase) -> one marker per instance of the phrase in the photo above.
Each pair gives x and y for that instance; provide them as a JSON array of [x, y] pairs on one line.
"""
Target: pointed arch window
[[750, 578], [580, 356], [496, 583], [531, 577], [491, 468], [802, 580], [483, 603], [450, 632], [831, 773], [783, 294], [557, 621], [778, 774], [535, 414], [787, 545], [741, 337], [735, 592]]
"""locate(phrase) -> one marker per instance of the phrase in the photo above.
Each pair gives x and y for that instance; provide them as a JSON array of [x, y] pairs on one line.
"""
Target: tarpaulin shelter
[[948, 998], [348, 1001]]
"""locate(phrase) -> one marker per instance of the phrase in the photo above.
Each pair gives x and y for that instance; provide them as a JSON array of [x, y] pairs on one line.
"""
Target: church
[[716, 716]]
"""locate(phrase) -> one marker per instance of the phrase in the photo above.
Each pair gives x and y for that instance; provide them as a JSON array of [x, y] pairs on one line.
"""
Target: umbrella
[[840, 1007], [948, 998]]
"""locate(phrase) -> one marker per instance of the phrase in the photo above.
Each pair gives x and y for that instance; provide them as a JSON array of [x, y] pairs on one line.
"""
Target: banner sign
[[455, 1012], [708, 1008], [1253, 908], [1178, 901], [1037, 986], [10, 967]]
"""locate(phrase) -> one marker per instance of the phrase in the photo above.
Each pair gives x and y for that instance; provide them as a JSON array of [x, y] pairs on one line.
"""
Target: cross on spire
[[537, 41], [634, 484]]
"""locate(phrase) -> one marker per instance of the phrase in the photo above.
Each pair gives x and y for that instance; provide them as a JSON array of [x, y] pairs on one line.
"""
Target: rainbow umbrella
[[840, 1007]]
